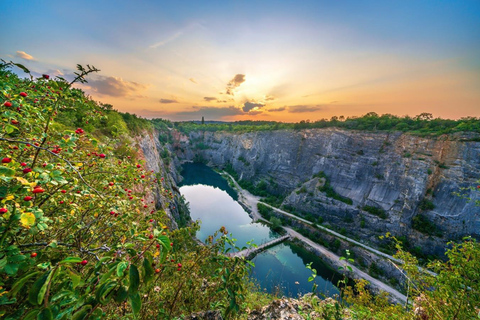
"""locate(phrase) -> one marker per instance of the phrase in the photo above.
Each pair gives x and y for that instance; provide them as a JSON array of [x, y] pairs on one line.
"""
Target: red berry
[[111, 184], [179, 265], [63, 191], [179, 269], [27, 170], [150, 236], [158, 246], [139, 166], [45, 76], [3, 210], [33, 255], [7, 104], [112, 212], [27, 198], [23, 164], [157, 270], [151, 220], [61, 202], [38, 190], [101, 155], [171, 244], [23, 94], [14, 121], [6, 160], [84, 262]]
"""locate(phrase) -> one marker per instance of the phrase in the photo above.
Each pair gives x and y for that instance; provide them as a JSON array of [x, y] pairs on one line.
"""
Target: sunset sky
[[259, 60]]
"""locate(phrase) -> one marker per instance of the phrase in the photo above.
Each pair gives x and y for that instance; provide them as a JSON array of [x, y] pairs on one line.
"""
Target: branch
[[59, 157]]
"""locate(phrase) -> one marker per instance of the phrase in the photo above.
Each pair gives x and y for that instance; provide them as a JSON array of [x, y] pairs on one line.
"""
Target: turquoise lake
[[279, 269]]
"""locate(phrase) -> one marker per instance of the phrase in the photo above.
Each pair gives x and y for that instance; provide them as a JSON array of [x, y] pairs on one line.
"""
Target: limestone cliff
[[399, 175], [167, 195]]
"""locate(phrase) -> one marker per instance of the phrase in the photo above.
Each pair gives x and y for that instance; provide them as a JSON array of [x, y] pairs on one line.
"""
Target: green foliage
[[80, 235], [276, 223], [418, 125], [245, 161], [264, 211], [422, 224], [329, 191], [379, 212], [426, 205]]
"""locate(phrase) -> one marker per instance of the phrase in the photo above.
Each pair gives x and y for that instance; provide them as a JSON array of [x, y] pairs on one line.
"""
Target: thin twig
[[61, 158]]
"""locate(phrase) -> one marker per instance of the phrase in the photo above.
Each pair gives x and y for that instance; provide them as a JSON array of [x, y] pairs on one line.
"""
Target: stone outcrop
[[167, 195], [400, 175]]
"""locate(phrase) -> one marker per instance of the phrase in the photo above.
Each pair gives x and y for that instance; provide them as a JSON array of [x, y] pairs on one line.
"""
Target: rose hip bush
[[78, 239]]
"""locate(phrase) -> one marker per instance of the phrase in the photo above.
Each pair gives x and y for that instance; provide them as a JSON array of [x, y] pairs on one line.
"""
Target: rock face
[[167, 196], [400, 176]]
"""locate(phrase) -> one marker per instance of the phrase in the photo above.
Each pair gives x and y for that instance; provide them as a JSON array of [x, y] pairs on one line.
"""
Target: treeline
[[422, 124]]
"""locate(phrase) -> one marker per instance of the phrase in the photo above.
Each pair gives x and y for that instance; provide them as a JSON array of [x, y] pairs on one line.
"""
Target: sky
[[257, 60]]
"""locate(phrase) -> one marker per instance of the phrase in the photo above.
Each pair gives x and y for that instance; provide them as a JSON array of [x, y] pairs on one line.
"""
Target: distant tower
[[203, 120]]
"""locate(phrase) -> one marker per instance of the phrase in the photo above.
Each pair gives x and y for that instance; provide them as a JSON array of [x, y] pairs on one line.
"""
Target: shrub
[[426, 205], [379, 212], [422, 224], [80, 234]]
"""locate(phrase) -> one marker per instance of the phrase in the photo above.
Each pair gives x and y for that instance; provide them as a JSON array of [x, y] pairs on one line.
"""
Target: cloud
[[170, 39], [255, 112], [168, 101], [234, 83], [277, 109], [193, 80], [116, 87], [303, 108], [24, 55], [269, 98], [251, 105], [208, 99], [211, 113]]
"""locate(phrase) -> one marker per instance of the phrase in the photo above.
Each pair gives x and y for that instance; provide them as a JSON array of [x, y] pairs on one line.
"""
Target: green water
[[280, 269]]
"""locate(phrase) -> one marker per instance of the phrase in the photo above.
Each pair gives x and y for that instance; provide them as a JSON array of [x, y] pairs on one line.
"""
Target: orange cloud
[[24, 55]]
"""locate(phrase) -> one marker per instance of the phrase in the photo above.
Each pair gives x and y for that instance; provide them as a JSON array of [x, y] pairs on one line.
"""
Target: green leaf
[[3, 191], [104, 290], [21, 66], [31, 315], [107, 275], [4, 171], [134, 279], [35, 289], [43, 289], [121, 268], [80, 314], [45, 314], [76, 279], [71, 260], [165, 242], [121, 294], [20, 283], [135, 303], [148, 269], [10, 128]]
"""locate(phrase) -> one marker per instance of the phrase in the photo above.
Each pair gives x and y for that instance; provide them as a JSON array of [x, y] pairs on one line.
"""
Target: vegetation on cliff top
[[423, 124]]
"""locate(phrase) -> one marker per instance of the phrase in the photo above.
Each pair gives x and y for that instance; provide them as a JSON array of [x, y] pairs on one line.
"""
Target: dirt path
[[251, 202]]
